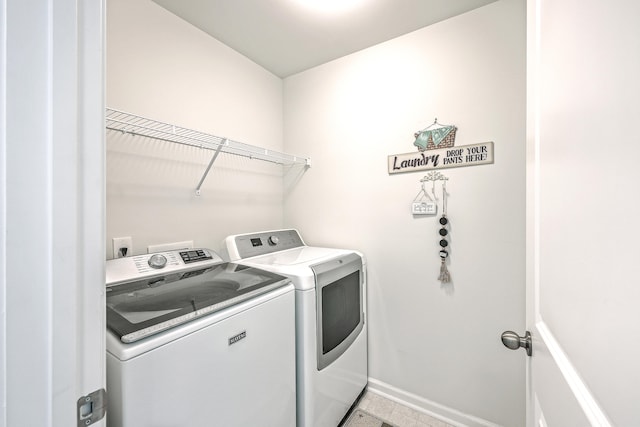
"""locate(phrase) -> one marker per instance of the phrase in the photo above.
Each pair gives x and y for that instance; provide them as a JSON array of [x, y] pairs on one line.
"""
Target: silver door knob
[[513, 341]]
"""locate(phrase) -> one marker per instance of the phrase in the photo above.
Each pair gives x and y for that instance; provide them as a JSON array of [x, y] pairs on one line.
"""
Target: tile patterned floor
[[359, 418], [393, 413]]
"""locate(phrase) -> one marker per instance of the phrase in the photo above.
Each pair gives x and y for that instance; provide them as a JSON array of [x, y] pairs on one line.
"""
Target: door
[[583, 234], [51, 212]]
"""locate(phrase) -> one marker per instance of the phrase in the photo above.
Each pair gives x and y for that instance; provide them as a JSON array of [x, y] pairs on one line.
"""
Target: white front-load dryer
[[331, 328]]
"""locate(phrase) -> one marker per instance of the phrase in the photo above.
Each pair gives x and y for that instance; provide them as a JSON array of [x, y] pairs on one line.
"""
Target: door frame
[[52, 209]]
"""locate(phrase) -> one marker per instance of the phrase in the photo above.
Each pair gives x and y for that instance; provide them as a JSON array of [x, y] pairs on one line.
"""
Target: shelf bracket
[[213, 159]]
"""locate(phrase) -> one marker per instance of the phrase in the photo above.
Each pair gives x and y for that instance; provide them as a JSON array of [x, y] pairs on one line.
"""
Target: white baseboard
[[444, 413]]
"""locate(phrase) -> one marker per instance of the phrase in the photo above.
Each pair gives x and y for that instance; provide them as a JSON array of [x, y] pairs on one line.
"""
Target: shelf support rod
[[213, 159]]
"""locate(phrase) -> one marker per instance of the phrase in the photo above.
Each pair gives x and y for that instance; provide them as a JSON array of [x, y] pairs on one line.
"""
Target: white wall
[[437, 346], [160, 67]]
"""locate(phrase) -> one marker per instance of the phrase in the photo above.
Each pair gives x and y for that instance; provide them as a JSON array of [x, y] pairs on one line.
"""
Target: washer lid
[[141, 308]]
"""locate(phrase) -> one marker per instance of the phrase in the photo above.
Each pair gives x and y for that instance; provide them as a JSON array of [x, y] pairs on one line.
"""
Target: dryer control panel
[[249, 245]]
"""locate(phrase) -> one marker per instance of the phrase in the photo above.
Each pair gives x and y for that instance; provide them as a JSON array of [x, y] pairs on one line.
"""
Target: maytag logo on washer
[[234, 339]]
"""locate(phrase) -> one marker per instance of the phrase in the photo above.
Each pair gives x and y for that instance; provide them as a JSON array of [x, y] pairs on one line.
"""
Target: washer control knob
[[273, 240], [157, 261]]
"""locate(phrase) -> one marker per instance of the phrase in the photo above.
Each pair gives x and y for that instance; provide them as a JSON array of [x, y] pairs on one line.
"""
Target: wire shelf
[[137, 125], [133, 124]]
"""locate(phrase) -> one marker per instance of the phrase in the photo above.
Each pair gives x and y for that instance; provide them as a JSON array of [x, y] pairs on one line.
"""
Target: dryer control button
[[157, 261], [273, 240]]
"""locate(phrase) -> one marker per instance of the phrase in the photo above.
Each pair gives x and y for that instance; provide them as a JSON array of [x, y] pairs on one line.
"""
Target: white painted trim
[[52, 196], [3, 213], [434, 409], [583, 395], [539, 416]]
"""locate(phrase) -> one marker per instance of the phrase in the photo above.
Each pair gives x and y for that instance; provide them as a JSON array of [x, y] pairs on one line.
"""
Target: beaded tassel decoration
[[444, 277]]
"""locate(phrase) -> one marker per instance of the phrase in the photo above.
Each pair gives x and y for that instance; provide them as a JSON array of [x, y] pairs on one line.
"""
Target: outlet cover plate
[[122, 242]]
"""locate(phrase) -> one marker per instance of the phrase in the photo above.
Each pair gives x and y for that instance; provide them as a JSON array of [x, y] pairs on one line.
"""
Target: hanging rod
[[137, 125]]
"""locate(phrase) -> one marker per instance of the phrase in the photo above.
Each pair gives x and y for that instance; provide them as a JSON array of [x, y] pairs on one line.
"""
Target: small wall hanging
[[436, 150], [424, 204], [445, 276], [435, 136]]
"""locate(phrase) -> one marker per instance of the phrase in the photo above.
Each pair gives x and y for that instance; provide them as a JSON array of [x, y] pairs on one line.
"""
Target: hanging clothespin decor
[[445, 276]]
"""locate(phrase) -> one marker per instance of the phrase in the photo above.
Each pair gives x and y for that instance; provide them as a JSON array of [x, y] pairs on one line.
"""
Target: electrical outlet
[[122, 247]]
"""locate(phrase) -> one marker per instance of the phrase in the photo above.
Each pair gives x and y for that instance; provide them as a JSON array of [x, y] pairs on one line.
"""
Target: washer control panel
[[157, 261], [195, 255], [136, 267]]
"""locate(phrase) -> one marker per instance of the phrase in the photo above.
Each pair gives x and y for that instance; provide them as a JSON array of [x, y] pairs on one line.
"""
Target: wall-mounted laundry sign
[[436, 150]]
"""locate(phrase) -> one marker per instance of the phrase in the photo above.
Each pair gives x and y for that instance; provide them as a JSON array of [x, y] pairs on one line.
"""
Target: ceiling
[[289, 36]]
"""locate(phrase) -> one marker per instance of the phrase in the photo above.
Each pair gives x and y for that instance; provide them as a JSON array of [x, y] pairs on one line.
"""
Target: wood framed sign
[[442, 158]]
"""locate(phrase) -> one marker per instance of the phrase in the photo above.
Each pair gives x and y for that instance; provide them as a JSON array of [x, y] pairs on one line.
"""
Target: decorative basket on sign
[[435, 136]]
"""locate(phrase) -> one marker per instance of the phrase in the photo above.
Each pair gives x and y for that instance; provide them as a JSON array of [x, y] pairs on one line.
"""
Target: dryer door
[[339, 306]]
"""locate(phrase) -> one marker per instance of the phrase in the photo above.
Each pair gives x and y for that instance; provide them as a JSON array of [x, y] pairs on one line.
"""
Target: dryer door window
[[339, 306], [340, 310]]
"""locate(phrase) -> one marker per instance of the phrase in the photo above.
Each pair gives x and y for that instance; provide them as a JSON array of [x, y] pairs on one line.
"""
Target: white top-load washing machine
[[195, 341], [331, 332]]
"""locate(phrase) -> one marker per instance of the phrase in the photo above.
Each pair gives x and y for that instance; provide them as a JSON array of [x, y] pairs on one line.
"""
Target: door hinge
[[91, 408]]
